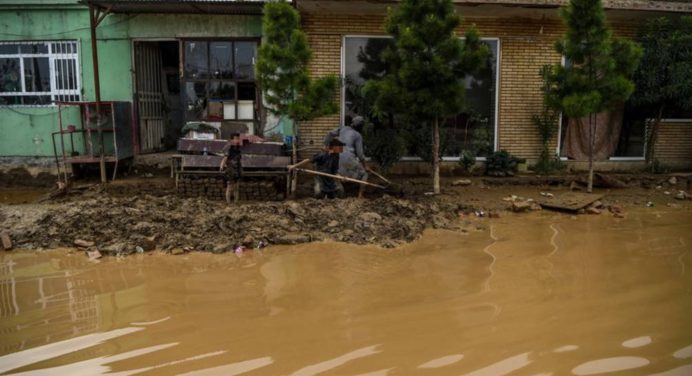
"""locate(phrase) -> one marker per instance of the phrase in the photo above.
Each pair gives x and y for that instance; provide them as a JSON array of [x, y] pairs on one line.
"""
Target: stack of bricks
[[201, 186], [525, 46], [262, 190], [674, 144]]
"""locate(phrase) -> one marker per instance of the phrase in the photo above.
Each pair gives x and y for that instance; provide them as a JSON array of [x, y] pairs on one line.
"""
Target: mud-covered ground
[[144, 214], [120, 224]]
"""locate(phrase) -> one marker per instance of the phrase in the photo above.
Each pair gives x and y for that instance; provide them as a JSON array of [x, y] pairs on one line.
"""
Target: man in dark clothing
[[327, 161], [231, 164]]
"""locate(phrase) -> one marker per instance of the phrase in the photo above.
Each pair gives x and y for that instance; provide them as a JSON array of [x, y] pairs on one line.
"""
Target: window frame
[[54, 93], [209, 80], [496, 140]]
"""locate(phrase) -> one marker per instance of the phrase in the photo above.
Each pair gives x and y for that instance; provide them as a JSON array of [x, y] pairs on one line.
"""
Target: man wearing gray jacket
[[351, 159]]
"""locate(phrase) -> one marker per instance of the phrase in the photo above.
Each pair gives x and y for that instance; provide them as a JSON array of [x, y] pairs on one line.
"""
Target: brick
[[525, 44]]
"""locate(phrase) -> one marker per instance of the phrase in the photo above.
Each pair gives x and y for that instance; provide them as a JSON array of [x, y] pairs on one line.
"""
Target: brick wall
[[674, 145], [525, 46]]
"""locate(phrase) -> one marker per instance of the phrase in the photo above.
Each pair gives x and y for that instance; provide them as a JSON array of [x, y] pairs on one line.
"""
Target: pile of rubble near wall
[[118, 225]]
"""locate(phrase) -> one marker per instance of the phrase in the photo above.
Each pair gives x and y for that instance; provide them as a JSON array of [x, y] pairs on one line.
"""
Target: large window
[[219, 80], [39, 73], [473, 129]]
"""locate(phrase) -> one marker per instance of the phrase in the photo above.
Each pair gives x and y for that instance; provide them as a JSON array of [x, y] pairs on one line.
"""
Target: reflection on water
[[442, 361], [637, 342], [22, 196], [536, 295], [684, 353], [621, 363]]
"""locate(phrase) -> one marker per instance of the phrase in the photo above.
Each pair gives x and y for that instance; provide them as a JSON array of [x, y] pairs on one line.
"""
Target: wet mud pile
[[117, 225]]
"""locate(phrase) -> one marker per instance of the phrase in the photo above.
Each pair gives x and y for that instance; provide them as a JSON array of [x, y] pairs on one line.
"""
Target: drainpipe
[[94, 20]]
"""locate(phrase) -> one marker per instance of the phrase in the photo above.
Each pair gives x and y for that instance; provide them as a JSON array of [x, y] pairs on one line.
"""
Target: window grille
[[39, 73]]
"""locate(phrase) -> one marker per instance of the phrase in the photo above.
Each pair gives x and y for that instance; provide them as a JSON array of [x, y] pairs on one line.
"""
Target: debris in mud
[[83, 243], [6, 241], [118, 225], [606, 181], [682, 195], [94, 255], [520, 206], [461, 182], [571, 201]]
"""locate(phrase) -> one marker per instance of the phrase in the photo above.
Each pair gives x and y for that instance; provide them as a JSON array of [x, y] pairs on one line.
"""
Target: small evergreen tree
[[596, 76], [547, 122], [427, 66], [282, 71], [664, 79]]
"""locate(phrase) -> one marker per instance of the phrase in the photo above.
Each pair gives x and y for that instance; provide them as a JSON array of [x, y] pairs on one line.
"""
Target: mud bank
[[118, 225]]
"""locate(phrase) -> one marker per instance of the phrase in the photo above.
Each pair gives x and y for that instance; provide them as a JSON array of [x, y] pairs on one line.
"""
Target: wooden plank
[[571, 201], [265, 173], [264, 161], [199, 172], [212, 146], [201, 161], [264, 148], [339, 177]]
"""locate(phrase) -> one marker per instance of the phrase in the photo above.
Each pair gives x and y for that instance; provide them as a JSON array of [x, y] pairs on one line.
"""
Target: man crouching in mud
[[231, 165], [351, 159]]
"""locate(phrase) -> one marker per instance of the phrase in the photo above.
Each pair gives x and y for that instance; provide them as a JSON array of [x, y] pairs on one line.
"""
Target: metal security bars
[[39, 73]]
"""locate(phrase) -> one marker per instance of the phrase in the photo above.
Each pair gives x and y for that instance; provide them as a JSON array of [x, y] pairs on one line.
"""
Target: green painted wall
[[25, 131]]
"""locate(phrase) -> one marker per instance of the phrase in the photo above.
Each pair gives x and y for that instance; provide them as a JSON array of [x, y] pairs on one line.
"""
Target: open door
[[151, 113]]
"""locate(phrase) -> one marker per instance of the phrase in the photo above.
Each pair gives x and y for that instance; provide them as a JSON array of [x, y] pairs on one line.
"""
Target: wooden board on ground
[[264, 161], [263, 148], [200, 146], [200, 161], [571, 201]]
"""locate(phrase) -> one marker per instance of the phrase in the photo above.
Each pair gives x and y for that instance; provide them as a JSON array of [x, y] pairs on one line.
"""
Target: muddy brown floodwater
[[537, 294]]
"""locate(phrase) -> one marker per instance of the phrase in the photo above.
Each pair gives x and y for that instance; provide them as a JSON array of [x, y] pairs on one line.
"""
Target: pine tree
[[282, 71], [427, 66], [664, 79], [596, 76]]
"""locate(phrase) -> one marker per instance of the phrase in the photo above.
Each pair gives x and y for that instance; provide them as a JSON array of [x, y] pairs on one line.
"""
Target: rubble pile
[[123, 225]]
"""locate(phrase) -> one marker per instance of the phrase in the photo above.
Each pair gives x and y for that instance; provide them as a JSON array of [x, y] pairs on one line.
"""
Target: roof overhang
[[211, 7], [498, 8]]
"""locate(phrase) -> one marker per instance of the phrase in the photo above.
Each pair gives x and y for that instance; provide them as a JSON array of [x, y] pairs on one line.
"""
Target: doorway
[[157, 94]]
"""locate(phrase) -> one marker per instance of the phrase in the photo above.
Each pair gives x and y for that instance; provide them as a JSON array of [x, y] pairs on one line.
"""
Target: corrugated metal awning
[[246, 7]]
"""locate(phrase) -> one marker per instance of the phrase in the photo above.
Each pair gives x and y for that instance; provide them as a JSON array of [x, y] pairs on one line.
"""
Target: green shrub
[[547, 165], [467, 159], [383, 145], [502, 163]]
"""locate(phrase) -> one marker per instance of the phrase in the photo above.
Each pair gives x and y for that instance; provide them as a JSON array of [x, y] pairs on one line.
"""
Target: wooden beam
[[339, 177]]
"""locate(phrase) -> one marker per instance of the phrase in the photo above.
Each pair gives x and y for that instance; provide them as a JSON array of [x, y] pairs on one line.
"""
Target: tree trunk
[[651, 142], [294, 153], [436, 157], [589, 187]]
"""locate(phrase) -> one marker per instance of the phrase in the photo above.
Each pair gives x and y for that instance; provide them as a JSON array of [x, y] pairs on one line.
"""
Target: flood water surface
[[541, 294]]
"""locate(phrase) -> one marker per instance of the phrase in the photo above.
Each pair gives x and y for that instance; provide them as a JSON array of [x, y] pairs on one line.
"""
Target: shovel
[[391, 188]]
